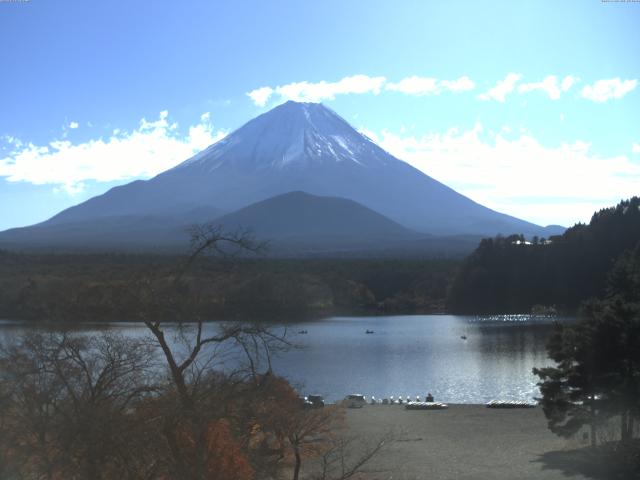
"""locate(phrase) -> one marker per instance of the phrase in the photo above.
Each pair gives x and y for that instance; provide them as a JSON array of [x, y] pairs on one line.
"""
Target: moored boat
[[425, 406]]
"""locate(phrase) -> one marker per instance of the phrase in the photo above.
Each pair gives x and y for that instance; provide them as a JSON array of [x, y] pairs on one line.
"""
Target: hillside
[[506, 275], [299, 214]]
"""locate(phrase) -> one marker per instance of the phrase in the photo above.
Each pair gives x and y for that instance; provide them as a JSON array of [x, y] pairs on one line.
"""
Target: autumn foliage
[[224, 457], [90, 408]]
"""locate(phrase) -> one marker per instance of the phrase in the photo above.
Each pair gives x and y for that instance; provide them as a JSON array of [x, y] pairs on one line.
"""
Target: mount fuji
[[295, 147]]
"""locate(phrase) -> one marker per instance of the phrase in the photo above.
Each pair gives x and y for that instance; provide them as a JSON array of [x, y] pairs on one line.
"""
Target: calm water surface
[[407, 355]]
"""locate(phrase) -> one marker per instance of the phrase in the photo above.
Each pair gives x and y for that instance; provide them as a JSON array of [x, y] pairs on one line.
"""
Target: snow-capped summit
[[303, 147], [292, 135]]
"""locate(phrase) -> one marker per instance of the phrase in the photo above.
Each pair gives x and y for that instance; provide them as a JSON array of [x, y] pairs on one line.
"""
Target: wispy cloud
[[73, 125], [504, 87], [357, 84], [421, 86], [550, 85], [148, 150], [319, 91], [516, 173], [635, 148], [612, 88]]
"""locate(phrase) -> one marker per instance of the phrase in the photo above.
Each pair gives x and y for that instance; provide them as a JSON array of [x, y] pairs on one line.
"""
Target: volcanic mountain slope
[[300, 222], [294, 147], [298, 214]]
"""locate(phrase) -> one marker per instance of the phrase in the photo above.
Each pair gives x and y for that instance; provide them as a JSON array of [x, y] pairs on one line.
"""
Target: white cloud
[[553, 86], [502, 88], [550, 85], [461, 84], [430, 86], [316, 92], [153, 147], [568, 82], [73, 125], [635, 148], [260, 96], [520, 175], [613, 88], [415, 86], [357, 84], [319, 91]]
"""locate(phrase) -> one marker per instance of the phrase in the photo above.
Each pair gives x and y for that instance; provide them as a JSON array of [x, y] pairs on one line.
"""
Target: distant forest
[[511, 275], [109, 287], [503, 275]]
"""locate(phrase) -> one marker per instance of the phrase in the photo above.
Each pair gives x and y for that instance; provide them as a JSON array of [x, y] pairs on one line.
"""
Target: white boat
[[426, 406]]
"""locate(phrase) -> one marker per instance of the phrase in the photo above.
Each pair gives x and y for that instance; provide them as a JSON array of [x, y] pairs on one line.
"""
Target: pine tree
[[597, 375]]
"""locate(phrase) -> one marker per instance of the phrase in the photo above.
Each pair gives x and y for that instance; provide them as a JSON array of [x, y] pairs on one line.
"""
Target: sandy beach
[[468, 442]]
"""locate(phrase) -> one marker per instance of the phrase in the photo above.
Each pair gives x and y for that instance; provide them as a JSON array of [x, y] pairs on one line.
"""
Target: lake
[[406, 355]]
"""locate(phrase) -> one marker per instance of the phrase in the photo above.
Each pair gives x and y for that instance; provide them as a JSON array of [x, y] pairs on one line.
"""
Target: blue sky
[[531, 108]]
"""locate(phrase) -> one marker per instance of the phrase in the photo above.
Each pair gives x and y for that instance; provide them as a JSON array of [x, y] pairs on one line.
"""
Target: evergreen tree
[[598, 360]]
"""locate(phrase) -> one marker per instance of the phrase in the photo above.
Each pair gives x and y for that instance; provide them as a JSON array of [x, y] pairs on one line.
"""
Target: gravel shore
[[467, 442]]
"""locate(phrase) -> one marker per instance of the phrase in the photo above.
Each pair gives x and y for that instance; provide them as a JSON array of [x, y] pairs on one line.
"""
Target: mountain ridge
[[295, 224], [299, 147]]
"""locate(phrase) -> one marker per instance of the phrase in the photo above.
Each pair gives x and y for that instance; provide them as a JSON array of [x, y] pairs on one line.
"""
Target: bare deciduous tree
[[67, 407], [190, 356]]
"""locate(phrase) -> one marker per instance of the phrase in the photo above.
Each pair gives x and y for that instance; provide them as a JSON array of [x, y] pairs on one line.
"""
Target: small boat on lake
[[369, 331]]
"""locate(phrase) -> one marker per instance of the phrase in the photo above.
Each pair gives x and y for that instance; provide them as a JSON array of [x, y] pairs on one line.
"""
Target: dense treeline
[[97, 287], [509, 275]]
